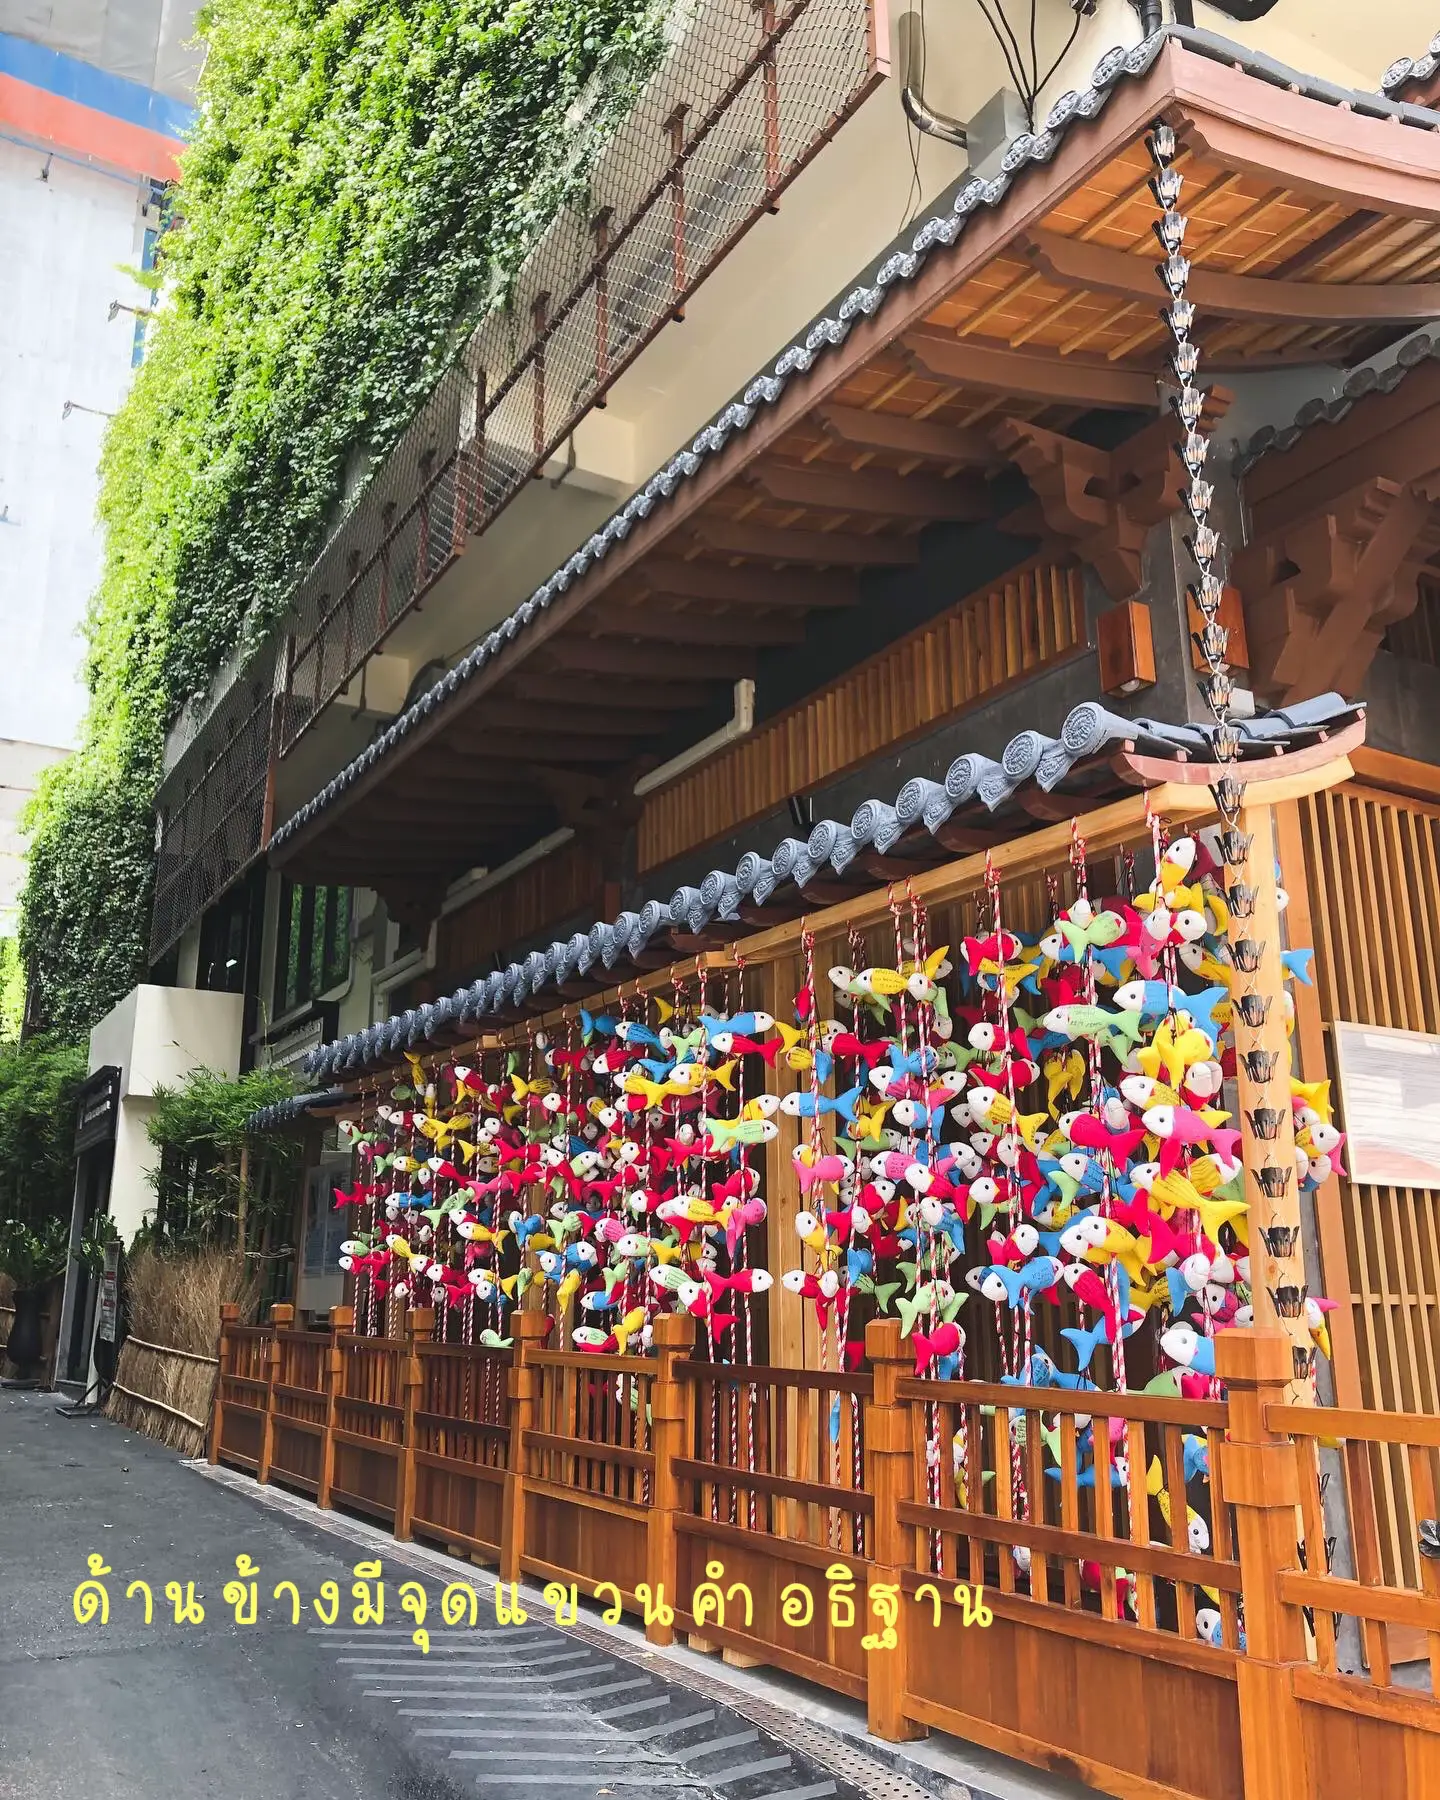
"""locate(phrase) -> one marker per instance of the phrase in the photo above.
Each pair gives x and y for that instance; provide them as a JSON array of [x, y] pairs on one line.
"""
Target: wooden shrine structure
[[632, 1477]]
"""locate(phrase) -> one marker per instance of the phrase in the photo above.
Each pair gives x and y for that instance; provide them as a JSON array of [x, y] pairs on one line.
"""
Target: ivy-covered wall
[[365, 176]]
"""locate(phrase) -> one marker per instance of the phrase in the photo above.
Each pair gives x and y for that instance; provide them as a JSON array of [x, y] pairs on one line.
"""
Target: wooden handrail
[[786, 1487], [598, 1364], [1385, 1605], [763, 1375], [1082, 1546], [1334, 1424], [589, 1450]]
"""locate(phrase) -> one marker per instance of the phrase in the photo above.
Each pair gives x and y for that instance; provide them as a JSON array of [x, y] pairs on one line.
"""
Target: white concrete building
[[93, 99]]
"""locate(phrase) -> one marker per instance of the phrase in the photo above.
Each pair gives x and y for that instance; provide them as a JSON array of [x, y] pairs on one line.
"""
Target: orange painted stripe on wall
[[81, 130]]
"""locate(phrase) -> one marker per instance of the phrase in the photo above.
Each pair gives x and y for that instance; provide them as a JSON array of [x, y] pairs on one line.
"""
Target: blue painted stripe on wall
[[114, 95]]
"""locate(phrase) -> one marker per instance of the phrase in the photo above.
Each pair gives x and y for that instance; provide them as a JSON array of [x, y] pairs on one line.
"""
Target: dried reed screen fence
[[164, 1393], [1372, 865]]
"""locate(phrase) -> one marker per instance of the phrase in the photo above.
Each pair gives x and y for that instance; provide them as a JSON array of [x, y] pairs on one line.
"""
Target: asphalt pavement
[[277, 1711]]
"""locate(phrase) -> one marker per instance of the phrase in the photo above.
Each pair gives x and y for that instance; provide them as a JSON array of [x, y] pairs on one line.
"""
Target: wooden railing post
[[229, 1313], [672, 1437], [890, 1479], [1257, 1476], [342, 1318], [528, 1330], [419, 1324], [282, 1316]]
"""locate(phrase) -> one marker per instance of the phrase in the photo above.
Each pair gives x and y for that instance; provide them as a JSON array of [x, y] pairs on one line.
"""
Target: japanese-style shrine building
[[548, 728]]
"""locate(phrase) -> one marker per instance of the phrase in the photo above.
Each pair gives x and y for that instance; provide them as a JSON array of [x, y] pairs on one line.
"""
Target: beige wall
[[155, 1036]]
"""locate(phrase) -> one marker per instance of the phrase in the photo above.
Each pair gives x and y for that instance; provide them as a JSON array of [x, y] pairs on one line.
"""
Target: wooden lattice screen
[[1372, 870]]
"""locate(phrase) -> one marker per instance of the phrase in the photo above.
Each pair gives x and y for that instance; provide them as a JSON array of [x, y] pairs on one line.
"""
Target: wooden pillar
[[672, 1436], [1313, 1065], [342, 1318], [890, 1480], [1257, 1475], [282, 1316], [229, 1313], [528, 1330], [419, 1324], [1277, 1263]]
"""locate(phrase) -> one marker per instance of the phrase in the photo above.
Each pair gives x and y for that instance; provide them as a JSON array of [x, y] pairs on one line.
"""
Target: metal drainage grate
[[820, 1747]]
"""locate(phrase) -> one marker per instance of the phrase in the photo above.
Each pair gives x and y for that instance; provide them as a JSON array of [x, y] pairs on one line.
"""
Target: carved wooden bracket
[[1104, 502], [1320, 594]]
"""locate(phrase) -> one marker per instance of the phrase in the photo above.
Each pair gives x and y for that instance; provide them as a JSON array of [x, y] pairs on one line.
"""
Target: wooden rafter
[[1037, 377], [1238, 296], [834, 549], [603, 656], [696, 626], [875, 491], [923, 438], [571, 692], [747, 587]]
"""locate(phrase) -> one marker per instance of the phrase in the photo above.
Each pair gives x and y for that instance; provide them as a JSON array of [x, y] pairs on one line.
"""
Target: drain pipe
[[1151, 18], [741, 724]]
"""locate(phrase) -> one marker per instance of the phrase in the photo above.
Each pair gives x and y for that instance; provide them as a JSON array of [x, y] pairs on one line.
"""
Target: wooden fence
[[1133, 1591]]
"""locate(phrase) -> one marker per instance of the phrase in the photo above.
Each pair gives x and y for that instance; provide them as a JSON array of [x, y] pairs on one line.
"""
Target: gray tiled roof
[[1320, 411], [1407, 69], [825, 334], [974, 789], [285, 1112]]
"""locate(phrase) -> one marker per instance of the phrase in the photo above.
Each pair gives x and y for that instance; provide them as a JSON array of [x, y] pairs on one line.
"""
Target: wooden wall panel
[[1372, 870], [568, 881], [968, 653]]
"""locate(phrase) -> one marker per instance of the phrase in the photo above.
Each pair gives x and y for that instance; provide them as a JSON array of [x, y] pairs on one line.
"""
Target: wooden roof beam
[[1067, 381], [878, 492], [952, 445], [1109, 271], [746, 587], [521, 721], [630, 696], [598, 656], [697, 626], [524, 751], [835, 549]]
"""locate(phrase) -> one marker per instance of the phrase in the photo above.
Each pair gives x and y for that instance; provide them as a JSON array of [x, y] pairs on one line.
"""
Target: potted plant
[[32, 1258]]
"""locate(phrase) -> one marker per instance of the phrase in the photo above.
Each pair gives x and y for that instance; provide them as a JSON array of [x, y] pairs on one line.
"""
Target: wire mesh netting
[[211, 811], [746, 97], [749, 91]]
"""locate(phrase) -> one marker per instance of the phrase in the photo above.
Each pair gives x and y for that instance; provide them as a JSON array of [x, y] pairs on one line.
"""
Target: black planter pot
[[24, 1346]]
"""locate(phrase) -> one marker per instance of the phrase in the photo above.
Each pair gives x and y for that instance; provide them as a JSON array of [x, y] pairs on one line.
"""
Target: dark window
[[312, 952], [225, 943]]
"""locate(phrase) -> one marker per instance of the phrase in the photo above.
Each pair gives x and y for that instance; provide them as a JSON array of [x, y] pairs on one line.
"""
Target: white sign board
[[110, 1294], [1390, 1105]]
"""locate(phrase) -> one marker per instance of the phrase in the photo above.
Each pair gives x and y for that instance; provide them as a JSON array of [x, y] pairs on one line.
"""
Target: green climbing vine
[[364, 177]]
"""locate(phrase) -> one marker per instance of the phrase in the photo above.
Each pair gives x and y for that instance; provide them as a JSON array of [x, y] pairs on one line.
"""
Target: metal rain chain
[[1276, 1180]]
